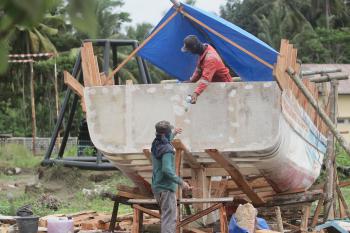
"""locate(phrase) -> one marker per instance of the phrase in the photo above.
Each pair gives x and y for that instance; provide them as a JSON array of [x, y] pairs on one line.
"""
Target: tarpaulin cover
[[164, 49], [261, 224]]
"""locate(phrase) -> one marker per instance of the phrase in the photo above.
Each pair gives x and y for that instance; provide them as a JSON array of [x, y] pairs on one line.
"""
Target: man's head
[[192, 44], [163, 127]]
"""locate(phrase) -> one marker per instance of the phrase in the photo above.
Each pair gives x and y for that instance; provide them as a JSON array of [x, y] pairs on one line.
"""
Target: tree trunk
[[32, 99]]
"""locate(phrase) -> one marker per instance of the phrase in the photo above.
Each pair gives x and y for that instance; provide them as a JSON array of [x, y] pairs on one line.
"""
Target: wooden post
[[342, 141], [32, 100], [279, 219], [114, 216], [340, 194], [57, 103], [137, 221], [330, 162], [305, 218], [178, 160], [317, 212], [223, 220]]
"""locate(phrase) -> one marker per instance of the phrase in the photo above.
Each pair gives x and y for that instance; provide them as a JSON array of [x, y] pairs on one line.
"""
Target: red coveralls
[[210, 68]]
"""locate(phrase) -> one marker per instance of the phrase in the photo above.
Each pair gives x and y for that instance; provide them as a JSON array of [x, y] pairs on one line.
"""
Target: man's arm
[[195, 76], [168, 170], [207, 76]]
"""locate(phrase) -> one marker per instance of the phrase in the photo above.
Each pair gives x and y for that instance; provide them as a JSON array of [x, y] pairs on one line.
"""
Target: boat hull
[[262, 131]]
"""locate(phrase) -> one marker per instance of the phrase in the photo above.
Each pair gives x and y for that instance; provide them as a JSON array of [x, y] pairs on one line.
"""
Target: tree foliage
[[301, 21]]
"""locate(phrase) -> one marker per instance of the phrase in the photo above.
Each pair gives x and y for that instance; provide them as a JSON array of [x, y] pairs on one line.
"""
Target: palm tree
[[33, 40]]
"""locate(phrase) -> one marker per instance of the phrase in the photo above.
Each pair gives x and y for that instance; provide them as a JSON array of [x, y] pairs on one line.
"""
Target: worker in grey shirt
[[164, 179]]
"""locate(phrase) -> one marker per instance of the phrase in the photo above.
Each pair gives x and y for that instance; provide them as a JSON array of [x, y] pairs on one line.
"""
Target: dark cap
[[191, 43], [163, 127]]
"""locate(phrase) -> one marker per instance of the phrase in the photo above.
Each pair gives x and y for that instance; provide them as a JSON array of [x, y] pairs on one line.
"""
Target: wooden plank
[[343, 201], [279, 219], [136, 221], [281, 65], [86, 67], [148, 155], [199, 186], [92, 60], [317, 212], [73, 84], [185, 200], [131, 195], [147, 211], [235, 174], [199, 215], [223, 220], [105, 81], [305, 218], [188, 157]]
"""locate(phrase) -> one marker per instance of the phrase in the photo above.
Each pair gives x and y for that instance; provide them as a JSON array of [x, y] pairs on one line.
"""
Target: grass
[[65, 184], [14, 155]]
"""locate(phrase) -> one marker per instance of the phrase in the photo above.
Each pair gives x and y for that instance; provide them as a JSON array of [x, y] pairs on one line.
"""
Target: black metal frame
[[97, 162]]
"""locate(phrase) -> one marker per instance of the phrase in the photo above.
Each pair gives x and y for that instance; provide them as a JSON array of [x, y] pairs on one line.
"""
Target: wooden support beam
[[185, 200], [236, 175], [131, 195], [295, 198], [137, 221], [199, 215], [305, 218], [279, 219], [148, 155], [188, 157], [147, 211], [114, 216], [343, 201], [317, 212], [223, 220], [73, 84]]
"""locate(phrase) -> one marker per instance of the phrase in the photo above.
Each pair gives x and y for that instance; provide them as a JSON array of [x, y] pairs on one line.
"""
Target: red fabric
[[210, 68]]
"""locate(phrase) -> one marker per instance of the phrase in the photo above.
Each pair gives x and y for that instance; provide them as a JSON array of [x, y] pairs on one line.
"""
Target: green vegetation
[[13, 155], [70, 190]]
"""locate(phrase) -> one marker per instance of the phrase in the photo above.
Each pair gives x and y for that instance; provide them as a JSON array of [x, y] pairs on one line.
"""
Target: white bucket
[[60, 225]]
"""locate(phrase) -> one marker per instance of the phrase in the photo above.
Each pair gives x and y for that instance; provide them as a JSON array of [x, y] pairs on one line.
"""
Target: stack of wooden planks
[[91, 73], [286, 59]]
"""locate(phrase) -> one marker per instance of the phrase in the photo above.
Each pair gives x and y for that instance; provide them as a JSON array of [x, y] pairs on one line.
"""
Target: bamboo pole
[[325, 71], [328, 78], [329, 209], [226, 39], [126, 60], [296, 78]]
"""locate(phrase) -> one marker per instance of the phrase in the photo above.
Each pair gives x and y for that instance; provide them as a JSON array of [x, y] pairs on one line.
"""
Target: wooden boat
[[262, 134], [262, 130]]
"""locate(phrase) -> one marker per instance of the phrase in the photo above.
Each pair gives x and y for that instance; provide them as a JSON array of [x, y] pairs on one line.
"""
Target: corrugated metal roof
[[344, 85]]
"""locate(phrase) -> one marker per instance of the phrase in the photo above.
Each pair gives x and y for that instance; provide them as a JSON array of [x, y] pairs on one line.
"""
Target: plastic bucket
[[27, 224]]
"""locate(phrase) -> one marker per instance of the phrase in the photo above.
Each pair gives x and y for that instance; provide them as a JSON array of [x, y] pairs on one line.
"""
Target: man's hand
[[194, 98], [186, 186], [177, 131]]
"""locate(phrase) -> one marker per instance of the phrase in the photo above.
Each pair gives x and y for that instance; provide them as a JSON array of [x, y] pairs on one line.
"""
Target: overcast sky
[[151, 11]]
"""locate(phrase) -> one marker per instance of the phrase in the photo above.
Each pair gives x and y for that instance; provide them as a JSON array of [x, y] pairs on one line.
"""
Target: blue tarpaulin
[[234, 228], [164, 49]]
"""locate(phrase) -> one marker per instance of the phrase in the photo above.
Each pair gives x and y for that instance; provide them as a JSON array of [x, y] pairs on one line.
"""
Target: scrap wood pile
[[83, 222]]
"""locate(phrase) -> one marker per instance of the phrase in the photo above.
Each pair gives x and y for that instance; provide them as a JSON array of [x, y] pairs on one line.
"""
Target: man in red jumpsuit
[[210, 67]]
